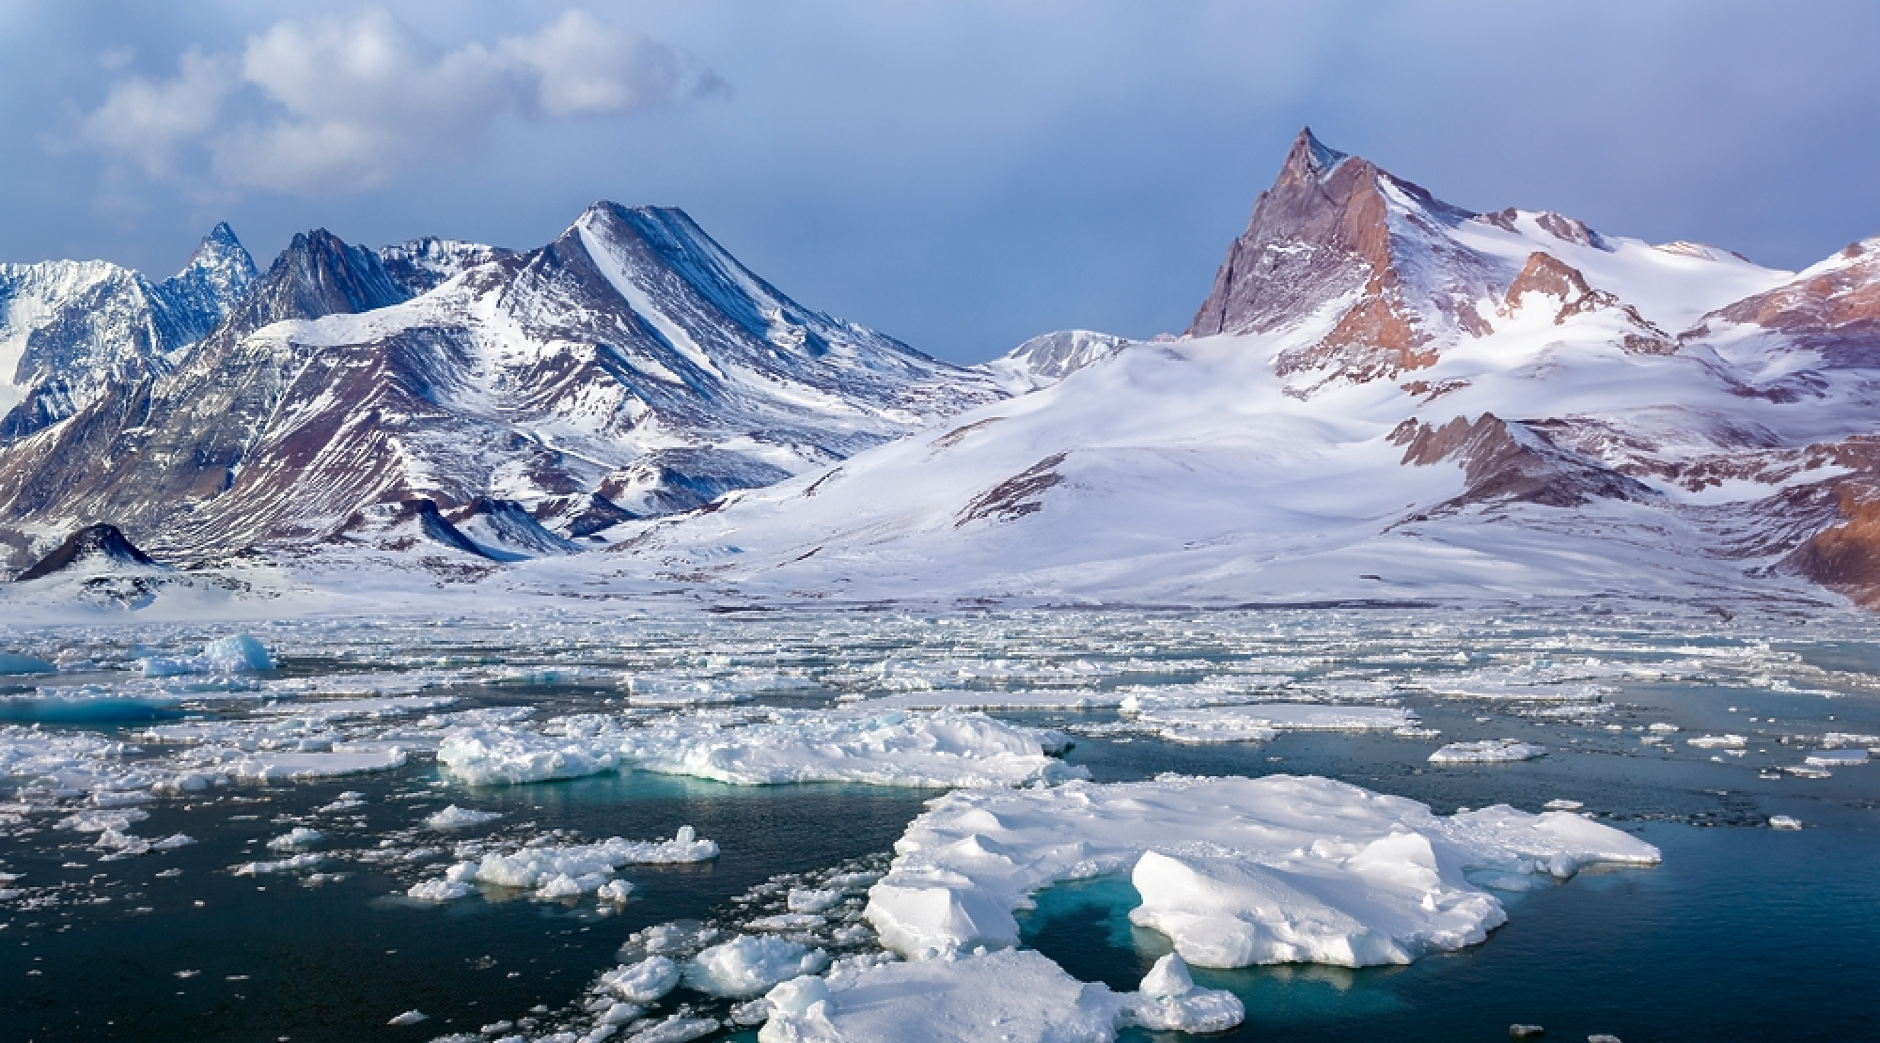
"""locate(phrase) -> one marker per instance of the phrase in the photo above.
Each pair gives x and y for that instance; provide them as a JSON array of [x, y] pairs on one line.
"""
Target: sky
[[960, 174]]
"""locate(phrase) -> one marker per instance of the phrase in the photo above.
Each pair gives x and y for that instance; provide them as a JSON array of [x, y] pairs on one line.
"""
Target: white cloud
[[148, 121], [346, 103]]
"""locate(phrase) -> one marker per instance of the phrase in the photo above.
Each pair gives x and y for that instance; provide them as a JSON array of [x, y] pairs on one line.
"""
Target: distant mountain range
[[629, 368], [1384, 398]]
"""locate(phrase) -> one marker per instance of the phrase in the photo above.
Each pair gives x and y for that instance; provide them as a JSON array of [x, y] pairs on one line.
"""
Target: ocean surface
[[1744, 931]]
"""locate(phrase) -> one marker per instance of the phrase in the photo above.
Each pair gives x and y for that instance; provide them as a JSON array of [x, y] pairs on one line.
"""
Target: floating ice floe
[[282, 765], [672, 689], [1259, 722], [501, 755], [1717, 742], [1844, 740], [1836, 758], [564, 870], [1488, 751], [454, 817], [298, 837], [1784, 822], [896, 748], [12, 663], [1235, 871], [284, 865], [1011, 995], [941, 749], [749, 965], [238, 653]]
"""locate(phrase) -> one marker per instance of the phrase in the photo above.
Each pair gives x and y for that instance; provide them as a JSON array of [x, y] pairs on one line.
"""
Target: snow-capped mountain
[[69, 328], [1383, 397], [1046, 359], [630, 367]]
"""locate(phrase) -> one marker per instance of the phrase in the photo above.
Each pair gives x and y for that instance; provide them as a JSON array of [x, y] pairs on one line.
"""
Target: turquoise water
[[1743, 934]]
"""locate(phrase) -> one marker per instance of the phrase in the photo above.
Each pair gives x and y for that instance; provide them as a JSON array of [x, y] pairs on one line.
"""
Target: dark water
[[273, 958], [1744, 933]]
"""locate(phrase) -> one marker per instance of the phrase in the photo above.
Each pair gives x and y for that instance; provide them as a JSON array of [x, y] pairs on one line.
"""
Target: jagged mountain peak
[[1310, 160], [1340, 242], [318, 274]]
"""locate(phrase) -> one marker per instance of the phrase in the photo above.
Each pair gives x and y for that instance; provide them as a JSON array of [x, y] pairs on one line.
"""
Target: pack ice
[[1011, 995], [895, 748], [1235, 871]]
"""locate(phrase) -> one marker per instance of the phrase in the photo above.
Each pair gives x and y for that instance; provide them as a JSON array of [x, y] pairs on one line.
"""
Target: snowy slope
[[1384, 397]]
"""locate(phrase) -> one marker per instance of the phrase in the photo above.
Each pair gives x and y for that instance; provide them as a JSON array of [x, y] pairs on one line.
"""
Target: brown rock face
[[1551, 277], [1846, 558], [1835, 312], [1336, 230], [1511, 463]]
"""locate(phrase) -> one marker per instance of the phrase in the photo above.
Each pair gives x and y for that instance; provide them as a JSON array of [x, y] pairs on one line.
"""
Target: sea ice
[[454, 817], [567, 870], [285, 865], [643, 982], [1836, 758], [238, 653], [13, 663], [895, 748], [299, 836], [676, 1028], [269, 766], [1018, 996], [508, 755], [1487, 751], [1235, 870], [1717, 742], [749, 964], [1258, 722], [1168, 1000], [1784, 822]]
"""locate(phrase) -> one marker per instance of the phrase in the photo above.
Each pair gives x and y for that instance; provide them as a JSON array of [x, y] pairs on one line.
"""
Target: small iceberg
[[12, 664], [236, 654]]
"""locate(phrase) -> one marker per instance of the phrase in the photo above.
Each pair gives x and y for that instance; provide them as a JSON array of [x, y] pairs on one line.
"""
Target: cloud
[[346, 103]]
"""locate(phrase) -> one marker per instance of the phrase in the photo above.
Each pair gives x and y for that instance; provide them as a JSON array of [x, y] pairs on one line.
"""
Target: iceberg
[[12, 663], [1236, 871], [238, 653]]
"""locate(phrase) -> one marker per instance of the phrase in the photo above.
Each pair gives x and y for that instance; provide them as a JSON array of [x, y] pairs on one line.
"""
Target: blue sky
[[959, 174]]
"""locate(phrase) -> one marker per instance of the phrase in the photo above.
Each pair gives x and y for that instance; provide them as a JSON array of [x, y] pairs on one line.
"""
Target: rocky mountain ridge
[[1383, 396], [630, 367]]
